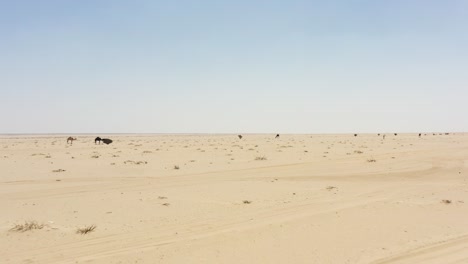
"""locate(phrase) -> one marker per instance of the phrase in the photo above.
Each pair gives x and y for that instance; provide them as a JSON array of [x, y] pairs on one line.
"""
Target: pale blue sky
[[233, 66]]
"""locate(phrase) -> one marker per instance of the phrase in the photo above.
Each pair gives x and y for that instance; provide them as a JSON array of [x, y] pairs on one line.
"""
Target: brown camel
[[70, 140]]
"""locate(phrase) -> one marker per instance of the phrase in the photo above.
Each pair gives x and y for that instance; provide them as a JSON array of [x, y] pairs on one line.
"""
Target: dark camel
[[106, 141], [98, 139]]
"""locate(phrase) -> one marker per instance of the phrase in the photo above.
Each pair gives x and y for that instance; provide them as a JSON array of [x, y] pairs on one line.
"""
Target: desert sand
[[221, 199]]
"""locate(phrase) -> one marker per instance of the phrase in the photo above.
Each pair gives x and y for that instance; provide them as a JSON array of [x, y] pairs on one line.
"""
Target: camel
[[240, 136], [355, 135], [419, 134], [70, 139], [106, 141], [98, 139]]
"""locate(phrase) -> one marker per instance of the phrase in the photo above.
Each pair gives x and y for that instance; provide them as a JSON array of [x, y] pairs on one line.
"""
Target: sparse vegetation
[[85, 230], [135, 162], [446, 201], [247, 202], [371, 160], [59, 170], [260, 158], [27, 226], [176, 167]]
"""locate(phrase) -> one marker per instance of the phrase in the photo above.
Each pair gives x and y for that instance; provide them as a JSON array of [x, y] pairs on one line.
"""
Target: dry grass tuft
[[371, 160], [85, 230], [27, 226], [176, 167], [135, 162], [59, 170], [446, 201], [261, 158], [247, 202]]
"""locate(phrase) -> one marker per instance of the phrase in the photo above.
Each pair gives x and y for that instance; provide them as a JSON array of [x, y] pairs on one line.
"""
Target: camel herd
[[107, 141], [96, 140], [419, 135], [240, 136]]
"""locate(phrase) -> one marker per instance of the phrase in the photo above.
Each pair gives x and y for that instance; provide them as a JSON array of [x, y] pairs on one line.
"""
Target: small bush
[[85, 230], [28, 225]]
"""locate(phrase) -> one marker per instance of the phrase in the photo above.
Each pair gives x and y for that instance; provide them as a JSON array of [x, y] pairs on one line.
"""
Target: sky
[[243, 66]]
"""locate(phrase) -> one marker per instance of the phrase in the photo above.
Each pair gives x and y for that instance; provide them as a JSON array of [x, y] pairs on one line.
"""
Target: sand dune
[[221, 199]]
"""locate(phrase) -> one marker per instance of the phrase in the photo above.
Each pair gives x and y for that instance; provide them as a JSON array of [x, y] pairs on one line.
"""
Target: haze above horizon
[[233, 66]]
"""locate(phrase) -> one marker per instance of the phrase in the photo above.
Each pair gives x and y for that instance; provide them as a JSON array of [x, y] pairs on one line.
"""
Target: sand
[[219, 199]]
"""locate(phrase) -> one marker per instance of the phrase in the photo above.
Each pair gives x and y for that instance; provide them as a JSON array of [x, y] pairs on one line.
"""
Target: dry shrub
[[85, 230], [27, 226], [135, 162]]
